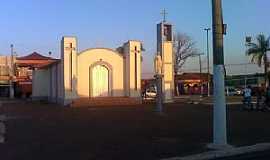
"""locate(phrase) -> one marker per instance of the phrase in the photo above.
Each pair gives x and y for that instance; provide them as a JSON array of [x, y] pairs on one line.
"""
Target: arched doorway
[[99, 81]]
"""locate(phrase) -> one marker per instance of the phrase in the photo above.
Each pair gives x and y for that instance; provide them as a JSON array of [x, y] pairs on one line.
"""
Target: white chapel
[[94, 72]]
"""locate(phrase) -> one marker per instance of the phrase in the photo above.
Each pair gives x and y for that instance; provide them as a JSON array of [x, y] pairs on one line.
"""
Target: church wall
[[41, 84], [69, 69], [91, 57], [53, 96], [55, 84], [127, 69], [60, 83], [133, 68]]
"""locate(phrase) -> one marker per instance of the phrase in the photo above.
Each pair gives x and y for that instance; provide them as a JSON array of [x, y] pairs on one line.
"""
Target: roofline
[[26, 57], [166, 22], [49, 65], [69, 37], [132, 41], [108, 49]]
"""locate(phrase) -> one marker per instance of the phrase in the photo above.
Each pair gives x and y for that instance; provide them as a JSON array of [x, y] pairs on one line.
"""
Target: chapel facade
[[94, 72]]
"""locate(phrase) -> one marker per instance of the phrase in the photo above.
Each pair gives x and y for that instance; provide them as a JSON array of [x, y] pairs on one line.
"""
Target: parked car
[[230, 91], [239, 92], [150, 92]]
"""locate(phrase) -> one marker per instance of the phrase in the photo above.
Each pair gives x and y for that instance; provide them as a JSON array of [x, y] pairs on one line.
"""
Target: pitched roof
[[192, 76], [34, 56], [47, 65]]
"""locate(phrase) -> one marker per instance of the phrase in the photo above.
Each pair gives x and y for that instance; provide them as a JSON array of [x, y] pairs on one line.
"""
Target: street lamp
[[208, 70]]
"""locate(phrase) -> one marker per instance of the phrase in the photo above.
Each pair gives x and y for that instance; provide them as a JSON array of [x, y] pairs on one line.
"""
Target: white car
[[239, 92], [230, 92], [150, 93]]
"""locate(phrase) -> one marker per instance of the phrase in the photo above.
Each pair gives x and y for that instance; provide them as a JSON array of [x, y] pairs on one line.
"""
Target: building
[[16, 74], [241, 81], [6, 81], [95, 72], [24, 67], [191, 83]]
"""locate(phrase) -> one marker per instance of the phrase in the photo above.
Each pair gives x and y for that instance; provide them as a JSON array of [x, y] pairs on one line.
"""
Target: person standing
[[247, 97]]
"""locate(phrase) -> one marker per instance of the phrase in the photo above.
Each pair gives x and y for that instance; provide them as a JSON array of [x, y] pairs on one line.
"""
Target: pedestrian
[[247, 97]]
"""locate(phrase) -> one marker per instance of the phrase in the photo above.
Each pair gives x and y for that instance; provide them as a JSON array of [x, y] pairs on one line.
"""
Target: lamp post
[[208, 70], [220, 120]]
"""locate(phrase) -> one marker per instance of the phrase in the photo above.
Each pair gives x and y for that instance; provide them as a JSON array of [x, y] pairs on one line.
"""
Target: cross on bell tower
[[164, 13]]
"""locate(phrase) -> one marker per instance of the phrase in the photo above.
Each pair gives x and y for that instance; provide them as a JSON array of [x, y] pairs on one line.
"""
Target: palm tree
[[258, 52]]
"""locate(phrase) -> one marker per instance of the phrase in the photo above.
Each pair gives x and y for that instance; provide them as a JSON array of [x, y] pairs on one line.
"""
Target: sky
[[38, 25]]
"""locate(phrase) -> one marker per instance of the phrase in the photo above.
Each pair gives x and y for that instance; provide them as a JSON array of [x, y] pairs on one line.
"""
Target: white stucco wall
[[55, 87], [41, 84], [69, 68], [132, 85], [88, 58]]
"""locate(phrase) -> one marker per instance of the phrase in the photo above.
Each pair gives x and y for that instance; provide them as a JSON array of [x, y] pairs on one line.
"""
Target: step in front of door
[[111, 101]]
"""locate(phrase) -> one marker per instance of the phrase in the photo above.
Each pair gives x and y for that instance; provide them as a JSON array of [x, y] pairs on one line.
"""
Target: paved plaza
[[48, 131]]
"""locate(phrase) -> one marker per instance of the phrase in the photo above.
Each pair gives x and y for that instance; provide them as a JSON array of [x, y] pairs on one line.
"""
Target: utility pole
[[208, 61], [220, 120]]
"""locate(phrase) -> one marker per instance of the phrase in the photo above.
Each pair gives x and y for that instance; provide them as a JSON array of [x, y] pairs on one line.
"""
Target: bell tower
[[165, 51], [69, 66]]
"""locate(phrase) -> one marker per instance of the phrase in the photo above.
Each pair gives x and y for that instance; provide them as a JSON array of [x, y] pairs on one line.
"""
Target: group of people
[[262, 98]]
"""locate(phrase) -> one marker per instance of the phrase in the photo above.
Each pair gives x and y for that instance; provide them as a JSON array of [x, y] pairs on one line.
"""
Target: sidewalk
[[196, 99]]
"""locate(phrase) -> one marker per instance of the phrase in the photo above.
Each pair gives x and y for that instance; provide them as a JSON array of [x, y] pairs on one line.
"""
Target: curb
[[225, 153], [228, 103]]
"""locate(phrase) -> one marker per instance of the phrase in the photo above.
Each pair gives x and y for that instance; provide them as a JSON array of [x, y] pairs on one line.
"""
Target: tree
[[258, 52], [184, 47]]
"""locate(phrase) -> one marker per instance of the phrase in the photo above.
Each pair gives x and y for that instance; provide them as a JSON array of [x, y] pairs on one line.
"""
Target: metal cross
[[164, 13], [70, 48]]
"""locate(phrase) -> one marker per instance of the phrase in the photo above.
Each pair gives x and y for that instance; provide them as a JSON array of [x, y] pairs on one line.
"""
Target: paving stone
[[3, 118], [2, 139]]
